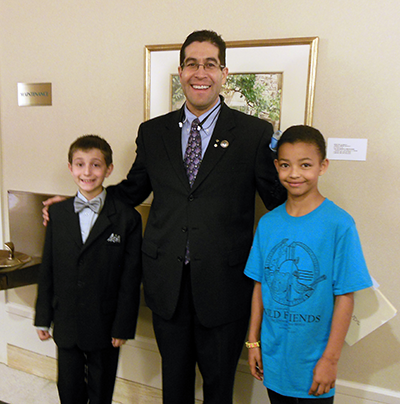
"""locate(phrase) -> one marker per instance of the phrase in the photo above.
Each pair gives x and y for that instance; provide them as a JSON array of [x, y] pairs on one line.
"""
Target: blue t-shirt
[[302, 263]]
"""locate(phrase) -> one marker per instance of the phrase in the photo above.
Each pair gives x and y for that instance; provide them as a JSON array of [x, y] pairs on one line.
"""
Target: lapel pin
[[224, 144], [216, 142]]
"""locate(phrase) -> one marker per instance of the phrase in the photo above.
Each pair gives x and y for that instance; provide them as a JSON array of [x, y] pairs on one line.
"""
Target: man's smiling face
[[201, 87]]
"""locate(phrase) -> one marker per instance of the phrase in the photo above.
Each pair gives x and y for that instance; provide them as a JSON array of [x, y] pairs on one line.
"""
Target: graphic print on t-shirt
[[292, 273]]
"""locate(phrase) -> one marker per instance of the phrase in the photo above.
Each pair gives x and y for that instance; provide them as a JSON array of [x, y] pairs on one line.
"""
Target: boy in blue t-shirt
[[307, 261]]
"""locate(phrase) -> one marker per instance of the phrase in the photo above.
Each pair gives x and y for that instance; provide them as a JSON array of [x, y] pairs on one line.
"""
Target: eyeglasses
[[208, 66]]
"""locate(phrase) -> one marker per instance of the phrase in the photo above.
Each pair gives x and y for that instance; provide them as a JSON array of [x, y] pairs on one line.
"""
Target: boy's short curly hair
[[87, 142]]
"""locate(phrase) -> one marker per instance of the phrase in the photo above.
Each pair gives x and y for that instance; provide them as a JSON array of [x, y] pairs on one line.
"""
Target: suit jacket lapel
[[173, 143], [102, 222], [72, 223], [222, 135]]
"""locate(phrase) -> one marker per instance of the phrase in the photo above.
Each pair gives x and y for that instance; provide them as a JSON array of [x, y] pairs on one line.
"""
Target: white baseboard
[[364, 393]]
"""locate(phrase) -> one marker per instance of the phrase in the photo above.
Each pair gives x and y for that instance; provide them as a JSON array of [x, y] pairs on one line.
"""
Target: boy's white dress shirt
[[87, 218]]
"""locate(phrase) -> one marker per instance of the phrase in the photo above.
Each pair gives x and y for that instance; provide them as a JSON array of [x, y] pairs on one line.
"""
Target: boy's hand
[[255, 363], [324, 376], [43, 335], [47, 203], [117, 342]]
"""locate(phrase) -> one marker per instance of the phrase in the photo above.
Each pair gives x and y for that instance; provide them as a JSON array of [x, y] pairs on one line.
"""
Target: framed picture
[[272, 79]]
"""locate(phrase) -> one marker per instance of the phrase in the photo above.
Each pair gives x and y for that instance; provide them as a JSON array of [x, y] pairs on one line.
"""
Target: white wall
[[93, 54]]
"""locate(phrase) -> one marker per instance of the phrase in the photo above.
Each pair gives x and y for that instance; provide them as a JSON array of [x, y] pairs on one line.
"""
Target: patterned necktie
[[192, 162], [192, 158], [79, 205]]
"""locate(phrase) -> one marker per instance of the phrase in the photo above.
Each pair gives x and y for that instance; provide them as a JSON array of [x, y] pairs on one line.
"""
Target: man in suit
[[200, 226], [90, 275]]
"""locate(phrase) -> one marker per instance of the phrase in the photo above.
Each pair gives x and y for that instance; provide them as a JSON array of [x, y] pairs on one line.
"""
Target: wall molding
[[20, 310], [367, 392]]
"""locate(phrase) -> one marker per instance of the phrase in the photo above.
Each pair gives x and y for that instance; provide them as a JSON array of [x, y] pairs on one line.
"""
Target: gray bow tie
[[79, 205]]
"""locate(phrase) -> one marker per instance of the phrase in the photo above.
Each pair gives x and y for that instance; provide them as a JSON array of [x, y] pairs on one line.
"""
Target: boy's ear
[[110, 169], [276, 164], [324, 167], [69, 167]]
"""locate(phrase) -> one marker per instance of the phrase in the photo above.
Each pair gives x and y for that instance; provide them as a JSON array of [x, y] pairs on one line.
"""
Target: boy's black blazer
[[91, 291], [216, 214]]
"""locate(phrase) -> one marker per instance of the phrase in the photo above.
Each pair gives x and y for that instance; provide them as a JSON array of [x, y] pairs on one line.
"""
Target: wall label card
[[371, 310], [347, 149]]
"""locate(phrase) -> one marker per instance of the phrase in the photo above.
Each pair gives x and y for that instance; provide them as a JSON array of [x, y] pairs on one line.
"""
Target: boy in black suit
[[89, 282]]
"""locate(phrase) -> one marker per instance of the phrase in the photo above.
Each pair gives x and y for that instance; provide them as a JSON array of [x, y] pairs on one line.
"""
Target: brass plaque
[[32, 94]]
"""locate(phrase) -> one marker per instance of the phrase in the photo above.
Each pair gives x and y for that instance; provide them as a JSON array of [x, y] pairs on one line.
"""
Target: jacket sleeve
[[44, 301], [124, 326], [136, 187], [269, 187]]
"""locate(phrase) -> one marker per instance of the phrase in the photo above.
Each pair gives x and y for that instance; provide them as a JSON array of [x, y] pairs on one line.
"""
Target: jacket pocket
[[150, 249]]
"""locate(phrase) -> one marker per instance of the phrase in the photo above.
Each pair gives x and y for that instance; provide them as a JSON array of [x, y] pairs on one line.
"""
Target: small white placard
[[347, 149], [371, 310]]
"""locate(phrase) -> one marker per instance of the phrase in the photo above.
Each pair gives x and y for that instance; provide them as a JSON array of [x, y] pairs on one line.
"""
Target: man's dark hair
[[205, 36], [305, 134], [88, 142]]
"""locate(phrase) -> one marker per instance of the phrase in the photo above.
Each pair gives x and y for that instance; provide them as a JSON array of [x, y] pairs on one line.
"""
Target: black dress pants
[[84, 376], [184, 342]]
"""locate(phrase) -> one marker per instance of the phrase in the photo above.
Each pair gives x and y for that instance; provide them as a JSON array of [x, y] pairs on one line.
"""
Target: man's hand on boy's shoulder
[[47, 203]]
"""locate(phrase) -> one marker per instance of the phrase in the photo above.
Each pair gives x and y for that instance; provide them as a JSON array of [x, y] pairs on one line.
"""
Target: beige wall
[[93, 54]]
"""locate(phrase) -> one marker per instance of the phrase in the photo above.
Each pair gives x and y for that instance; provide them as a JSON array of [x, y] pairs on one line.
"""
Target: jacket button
[[180, 259], [191, 198], [81, 284], [184, 229]]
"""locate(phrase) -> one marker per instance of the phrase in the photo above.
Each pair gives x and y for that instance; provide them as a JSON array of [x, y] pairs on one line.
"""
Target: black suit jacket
[[90, 292], [216, 214]]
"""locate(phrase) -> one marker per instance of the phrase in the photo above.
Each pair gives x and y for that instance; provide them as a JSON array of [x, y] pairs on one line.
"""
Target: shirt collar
[[189, 117]]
